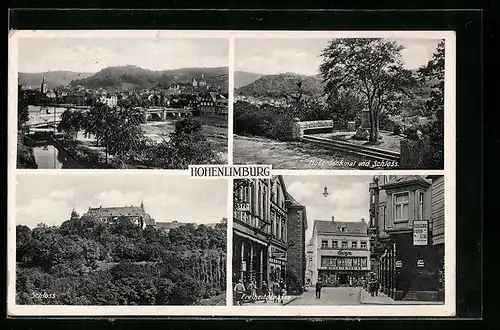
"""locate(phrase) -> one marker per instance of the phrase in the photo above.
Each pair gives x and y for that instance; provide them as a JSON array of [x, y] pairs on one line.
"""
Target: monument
[[363, 131]]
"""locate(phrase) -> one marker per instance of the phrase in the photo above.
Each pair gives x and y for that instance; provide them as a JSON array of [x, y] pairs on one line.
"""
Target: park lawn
[[287, 155]]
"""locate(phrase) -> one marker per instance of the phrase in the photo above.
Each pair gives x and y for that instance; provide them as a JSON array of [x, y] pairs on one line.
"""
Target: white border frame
[[446, 309]]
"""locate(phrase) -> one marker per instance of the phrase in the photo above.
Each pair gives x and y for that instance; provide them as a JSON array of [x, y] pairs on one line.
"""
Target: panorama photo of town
[[122, 103], [120, 239], [329, 240], [347, 103]]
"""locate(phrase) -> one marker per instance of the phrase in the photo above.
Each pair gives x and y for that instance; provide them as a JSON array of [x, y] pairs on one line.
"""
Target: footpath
[[383, 299]]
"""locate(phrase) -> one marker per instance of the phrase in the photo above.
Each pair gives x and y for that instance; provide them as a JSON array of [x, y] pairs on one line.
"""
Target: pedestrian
[[282, 290], [239, 290], [250, 289], [254, 290], [319, 285], [265, 291], [276, 291], [373, 285]]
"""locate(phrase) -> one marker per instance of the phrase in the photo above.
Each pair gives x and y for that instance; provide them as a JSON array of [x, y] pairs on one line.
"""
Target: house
[[407, 235]]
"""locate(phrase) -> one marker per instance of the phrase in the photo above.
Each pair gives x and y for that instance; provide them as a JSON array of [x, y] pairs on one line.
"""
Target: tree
[[22, 108], [434, 72], [72, 122], [370, 66], [188, 145]]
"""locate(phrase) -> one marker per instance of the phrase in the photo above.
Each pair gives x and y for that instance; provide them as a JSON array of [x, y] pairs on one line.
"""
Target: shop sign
[[244, 265], [279, 255], [420, 263], [344, 253], [346, 268], [420, 232], [399, 264], [242, 206]]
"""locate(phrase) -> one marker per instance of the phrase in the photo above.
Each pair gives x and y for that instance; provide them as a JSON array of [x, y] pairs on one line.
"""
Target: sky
[[348, 198], [49, 198], [273, 56], [94, 54]]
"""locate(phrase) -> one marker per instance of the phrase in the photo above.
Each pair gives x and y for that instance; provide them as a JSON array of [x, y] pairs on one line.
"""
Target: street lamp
[[325, 192]]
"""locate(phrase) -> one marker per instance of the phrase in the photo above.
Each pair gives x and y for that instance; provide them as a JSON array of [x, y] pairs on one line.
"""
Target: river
[[50, 156]]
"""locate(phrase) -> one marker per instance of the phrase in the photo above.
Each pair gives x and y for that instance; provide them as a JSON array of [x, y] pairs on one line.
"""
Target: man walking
[[239, 290], [318, 289]]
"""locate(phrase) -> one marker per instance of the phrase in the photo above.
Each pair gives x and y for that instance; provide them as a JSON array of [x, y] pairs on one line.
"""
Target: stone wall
[[299, 127]]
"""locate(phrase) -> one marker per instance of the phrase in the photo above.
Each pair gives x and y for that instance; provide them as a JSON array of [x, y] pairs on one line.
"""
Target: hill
[[282, 84], [130, 77], [242, 78], [53, 78]]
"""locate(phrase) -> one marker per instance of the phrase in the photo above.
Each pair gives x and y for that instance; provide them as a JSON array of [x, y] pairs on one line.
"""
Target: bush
[[268, 121]]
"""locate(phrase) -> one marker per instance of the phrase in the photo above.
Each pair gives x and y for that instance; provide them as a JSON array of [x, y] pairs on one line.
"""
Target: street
[[330, 296]]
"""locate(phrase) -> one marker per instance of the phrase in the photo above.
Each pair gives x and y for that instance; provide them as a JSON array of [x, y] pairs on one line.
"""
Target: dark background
[[469, 31]]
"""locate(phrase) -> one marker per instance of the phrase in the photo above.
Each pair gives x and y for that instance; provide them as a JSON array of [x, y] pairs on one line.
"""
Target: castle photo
[[120, 239]]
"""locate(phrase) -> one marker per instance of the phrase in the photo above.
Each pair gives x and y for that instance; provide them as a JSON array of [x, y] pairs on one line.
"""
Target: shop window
[[363, 245], [335, 244], [324, 244], [401, 207], [344, 244], [354, 244]]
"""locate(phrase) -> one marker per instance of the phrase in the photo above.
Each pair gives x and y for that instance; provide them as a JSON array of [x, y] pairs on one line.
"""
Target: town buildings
[[269, 228], [407, 235], [109, 214], [340, 252]]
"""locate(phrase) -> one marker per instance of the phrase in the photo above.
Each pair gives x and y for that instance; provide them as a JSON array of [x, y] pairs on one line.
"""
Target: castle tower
[[74, 214]]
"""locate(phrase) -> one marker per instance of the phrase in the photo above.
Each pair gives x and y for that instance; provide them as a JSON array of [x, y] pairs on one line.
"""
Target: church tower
[[142, 205], [43, 85]]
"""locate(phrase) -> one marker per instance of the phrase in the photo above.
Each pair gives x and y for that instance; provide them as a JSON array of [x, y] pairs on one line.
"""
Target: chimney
[[333, 219]]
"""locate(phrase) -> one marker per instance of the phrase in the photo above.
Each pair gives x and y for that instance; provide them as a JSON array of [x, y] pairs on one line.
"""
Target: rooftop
[[350, 227], [406, 180]]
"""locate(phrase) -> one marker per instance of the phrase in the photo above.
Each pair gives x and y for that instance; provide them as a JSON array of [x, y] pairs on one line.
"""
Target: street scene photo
[[121, 102], [346, 103], [338, 240], [120, 239]]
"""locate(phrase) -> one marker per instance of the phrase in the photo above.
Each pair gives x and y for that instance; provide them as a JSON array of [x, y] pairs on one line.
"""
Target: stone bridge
[[163, 114]]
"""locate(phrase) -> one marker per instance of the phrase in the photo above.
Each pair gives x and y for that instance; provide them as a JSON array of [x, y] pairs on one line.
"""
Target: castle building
[[109, 214], [340, 252], [407, 235]]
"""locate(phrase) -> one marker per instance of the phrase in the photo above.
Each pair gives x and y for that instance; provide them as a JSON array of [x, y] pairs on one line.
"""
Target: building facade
[[260, 227], [407, 235], [340, 252], [310, 262]]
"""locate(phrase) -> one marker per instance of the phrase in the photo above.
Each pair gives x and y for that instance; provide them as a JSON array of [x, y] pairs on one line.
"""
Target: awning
[[236, 232]]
